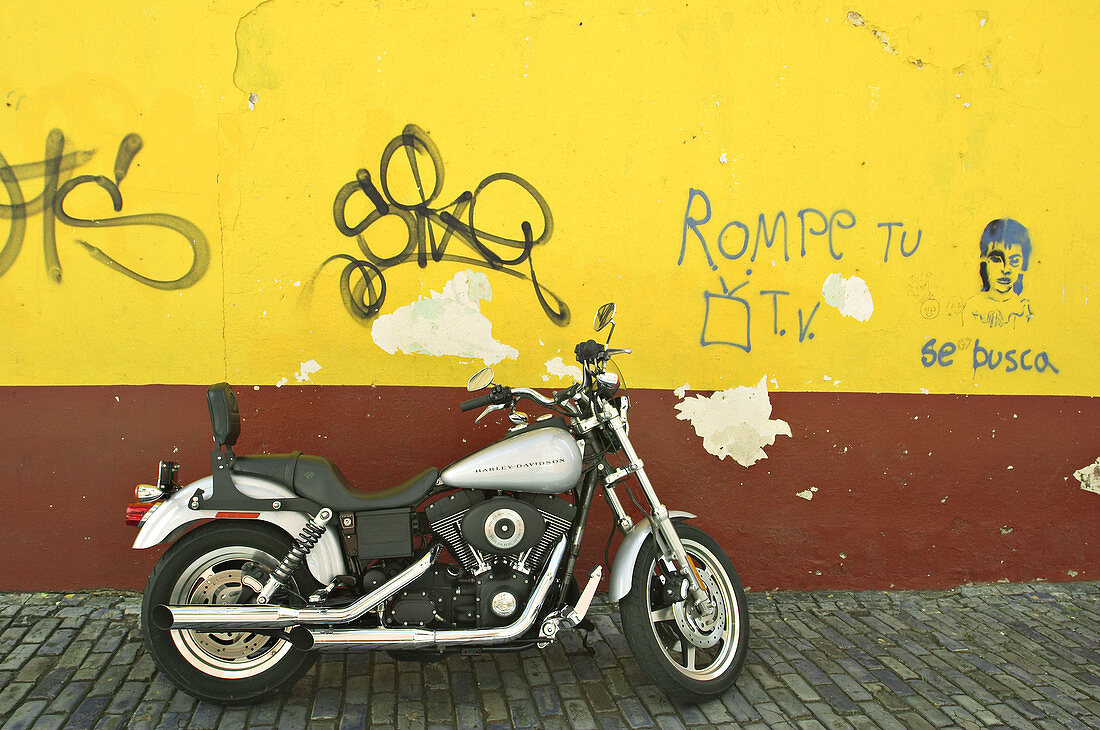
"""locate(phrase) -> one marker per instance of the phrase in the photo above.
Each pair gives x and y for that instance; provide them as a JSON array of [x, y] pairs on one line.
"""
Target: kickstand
[[588, 648]]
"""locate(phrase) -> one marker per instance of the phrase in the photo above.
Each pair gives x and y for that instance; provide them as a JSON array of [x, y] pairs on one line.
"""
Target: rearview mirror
[[481, 379], [605, 315]]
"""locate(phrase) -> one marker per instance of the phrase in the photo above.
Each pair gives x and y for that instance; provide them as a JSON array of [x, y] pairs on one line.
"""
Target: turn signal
[[148, 493]]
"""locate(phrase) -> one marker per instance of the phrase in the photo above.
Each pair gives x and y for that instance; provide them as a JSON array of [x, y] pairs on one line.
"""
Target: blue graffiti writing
[[727, 318], [826, 225], [930, 355], [901, 244], [993, 359], [1014, 360]]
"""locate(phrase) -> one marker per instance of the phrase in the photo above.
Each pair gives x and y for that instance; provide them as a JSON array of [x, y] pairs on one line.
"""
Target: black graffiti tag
[[51, 204], [454, 221]]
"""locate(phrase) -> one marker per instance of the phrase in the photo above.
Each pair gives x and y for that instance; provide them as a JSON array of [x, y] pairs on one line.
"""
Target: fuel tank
[[542, 460]]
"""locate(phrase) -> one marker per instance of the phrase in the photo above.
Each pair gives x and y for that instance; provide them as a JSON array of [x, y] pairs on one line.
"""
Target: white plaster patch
[[448, 323], [808, 495], [282, 382], [849, 295], [557, 368], [307, 368], [735, 422], [1089, 477], [681, 391]]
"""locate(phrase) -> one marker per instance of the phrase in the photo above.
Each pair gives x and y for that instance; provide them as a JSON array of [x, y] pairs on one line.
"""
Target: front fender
[[623, 569], [172, 518]]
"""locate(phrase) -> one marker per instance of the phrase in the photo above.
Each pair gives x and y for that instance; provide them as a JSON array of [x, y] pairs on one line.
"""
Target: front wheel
[[692, 655], [204, 567]]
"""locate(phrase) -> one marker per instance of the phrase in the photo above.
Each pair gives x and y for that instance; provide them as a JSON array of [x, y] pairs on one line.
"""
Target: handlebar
[[502, 395], [479, 402], [498, 395]]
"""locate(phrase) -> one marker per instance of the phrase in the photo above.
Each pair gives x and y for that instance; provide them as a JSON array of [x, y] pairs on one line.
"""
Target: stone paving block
[[25, 714], [91, 666], [579, 715], [840, 701], [468, 716], [800, 687], [383, 708], [147, 716], [410, 715], [439, 707], [326, 703], [739, 707], [293, 718], [494, 705], [12, 695], [88, 712]]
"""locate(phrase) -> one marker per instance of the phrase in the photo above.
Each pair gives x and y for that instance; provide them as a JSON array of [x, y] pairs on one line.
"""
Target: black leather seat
[[316, 478]]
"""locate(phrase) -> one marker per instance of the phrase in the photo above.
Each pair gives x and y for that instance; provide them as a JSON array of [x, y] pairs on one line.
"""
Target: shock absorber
[[307, 538]]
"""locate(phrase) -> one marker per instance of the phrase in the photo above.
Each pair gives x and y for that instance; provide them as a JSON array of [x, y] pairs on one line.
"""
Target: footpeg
[[340, 581]]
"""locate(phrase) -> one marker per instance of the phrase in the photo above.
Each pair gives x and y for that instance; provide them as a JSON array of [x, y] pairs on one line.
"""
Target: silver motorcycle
[[277, 557]]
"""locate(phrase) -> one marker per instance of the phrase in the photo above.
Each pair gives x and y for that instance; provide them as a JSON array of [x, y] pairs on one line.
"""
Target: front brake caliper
[[671, 587]]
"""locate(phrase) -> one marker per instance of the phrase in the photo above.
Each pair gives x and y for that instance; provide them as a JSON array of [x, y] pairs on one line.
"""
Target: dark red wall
[[913, 491]]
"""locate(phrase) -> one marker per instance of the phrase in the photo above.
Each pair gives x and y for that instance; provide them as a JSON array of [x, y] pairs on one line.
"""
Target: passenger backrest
[[225, 418]]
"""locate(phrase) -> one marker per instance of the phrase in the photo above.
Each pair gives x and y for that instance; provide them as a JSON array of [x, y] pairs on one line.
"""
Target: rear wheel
[[204, 567], [693, 655]]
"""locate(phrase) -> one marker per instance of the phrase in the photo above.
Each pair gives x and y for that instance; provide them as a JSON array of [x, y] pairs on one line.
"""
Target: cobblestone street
[[1018, 656]]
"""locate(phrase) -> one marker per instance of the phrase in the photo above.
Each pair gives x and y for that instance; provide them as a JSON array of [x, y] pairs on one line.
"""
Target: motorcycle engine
[[502, 542]]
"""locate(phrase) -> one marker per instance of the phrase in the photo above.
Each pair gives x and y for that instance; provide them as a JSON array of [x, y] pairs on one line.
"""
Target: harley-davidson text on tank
[[542, 461]]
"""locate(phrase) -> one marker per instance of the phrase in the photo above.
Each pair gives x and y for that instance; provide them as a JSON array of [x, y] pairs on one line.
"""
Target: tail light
[[138, 512]]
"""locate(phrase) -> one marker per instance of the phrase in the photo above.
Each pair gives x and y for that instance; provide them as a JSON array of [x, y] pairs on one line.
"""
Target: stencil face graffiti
[[363, 284], [1005, 250]]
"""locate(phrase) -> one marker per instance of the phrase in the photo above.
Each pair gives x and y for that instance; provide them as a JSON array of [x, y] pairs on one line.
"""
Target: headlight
[[607, 384]]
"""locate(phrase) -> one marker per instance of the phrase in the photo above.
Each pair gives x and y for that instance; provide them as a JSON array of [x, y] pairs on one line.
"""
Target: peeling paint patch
[[252, 99], [257, 38], [1089, 477], [856, 21], [556, 367], [305, 369], [850, 295], [808, 495], [448, 323], [735, 422], [682, 391]]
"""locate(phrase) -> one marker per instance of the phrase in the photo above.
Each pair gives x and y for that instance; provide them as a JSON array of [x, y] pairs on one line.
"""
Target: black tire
[[204, 567], [686, 655]]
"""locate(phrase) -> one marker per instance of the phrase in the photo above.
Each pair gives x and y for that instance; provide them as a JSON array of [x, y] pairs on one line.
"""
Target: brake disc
[[704, 631]]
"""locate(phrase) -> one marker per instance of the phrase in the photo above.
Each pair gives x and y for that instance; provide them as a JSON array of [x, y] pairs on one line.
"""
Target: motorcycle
[[277, 557]]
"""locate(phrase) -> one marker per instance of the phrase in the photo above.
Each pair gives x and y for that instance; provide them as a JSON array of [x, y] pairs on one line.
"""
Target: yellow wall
[[937, 117]]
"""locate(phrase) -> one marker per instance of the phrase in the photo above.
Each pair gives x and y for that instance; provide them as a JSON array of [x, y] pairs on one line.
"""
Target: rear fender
[[623, 569], [172, 518]]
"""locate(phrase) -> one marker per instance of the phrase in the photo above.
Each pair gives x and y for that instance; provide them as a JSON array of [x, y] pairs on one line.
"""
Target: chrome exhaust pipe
[[306, 638], [248, 616]]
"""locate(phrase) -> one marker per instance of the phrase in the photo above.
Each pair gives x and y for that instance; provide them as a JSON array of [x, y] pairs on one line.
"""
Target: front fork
[[668, 541]]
